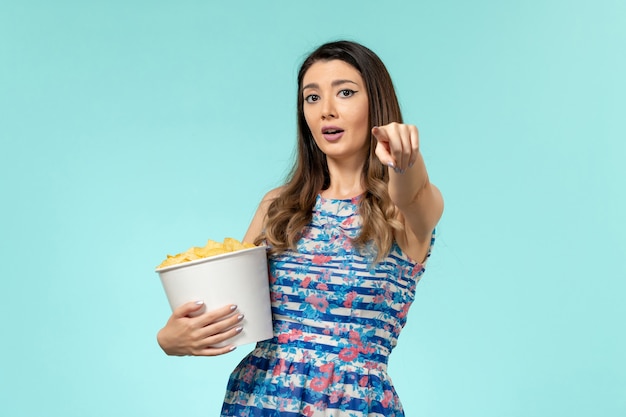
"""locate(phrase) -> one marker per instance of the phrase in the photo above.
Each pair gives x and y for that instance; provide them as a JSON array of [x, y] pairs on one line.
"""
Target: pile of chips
[[212, 248]]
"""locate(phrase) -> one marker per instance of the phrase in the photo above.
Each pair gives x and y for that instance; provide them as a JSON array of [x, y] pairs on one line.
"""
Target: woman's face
[[336, 109]]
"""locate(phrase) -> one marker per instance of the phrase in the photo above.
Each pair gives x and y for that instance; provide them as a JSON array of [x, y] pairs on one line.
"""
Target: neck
[[345, 180]]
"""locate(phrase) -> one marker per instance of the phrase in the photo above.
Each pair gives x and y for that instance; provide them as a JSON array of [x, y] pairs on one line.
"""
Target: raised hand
[[398, 145]]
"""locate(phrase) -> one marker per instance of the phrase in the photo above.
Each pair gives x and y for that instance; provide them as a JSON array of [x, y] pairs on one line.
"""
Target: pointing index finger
[[380, 134], [382, 147]]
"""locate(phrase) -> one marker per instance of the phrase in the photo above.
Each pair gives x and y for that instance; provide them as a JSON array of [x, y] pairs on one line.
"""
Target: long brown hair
[[291, 211]]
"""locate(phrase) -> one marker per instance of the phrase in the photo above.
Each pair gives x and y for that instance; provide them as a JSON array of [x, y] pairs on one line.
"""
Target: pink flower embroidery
[[320, 383], [367, 350], [327, 368], [279, 368], [355, 337], [347, 222], [321, 259], [335, 396], [387, 396], [348, 354], [405, 310], [295, 334], [249, 374], [349, 298], [319, 303]]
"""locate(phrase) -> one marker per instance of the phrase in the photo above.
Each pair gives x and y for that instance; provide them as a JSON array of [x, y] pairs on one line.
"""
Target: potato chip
[[211, 248]]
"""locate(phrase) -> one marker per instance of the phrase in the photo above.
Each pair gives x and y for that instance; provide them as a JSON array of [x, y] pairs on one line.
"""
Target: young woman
[[348, 237]]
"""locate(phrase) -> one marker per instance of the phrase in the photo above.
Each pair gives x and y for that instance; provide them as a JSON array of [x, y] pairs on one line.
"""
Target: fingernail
[[232, 348], [240, 317], [233, 307], [398, 171], [411, 164], [239, 329], [391, 165], [199, 302]]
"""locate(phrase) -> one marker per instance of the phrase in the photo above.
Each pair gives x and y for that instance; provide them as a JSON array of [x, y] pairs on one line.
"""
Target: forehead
[[325, 72]]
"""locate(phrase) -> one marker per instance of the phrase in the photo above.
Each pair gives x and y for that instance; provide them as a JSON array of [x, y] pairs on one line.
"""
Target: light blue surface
[[134, 129]]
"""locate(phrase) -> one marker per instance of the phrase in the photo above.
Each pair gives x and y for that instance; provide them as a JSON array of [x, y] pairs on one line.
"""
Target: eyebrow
[[335, 83]]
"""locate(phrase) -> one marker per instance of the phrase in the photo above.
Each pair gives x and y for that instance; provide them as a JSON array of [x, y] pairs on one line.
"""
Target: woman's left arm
[[419, 202]]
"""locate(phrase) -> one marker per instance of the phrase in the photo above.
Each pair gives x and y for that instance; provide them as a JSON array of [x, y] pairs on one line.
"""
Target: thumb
[[187, 309]]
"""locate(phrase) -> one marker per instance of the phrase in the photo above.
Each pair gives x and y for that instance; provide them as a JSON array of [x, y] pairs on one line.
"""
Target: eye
[[346, 93], [311, 98]]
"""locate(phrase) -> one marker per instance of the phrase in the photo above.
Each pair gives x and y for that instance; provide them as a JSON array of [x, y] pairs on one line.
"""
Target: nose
[[328, 110]]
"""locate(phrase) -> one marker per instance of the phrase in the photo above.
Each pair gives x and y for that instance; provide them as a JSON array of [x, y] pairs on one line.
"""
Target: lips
[[332, 133]]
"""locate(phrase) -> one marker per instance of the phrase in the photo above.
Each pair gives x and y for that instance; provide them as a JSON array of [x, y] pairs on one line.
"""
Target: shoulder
[[273, 194], [257, 223], [268, 199]]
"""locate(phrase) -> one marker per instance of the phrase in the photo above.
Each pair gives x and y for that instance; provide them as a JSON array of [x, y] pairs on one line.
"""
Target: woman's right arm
[[186, 333]]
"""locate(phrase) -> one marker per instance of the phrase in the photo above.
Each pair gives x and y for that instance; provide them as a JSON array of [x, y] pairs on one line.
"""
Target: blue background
[[133, 129]]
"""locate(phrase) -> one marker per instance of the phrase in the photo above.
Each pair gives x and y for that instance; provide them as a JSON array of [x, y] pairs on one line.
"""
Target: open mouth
[[331, 131]]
